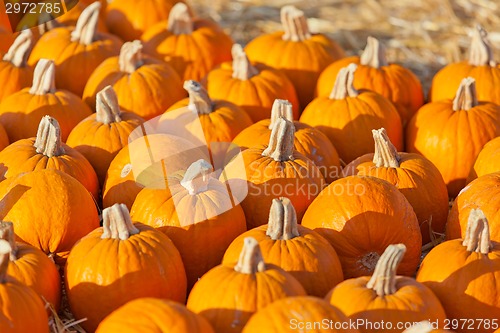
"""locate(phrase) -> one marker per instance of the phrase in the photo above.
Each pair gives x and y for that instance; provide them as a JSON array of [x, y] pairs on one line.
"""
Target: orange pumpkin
[[480, 65], [104, 268], [452, 133], [386, 297], [70, 18], [253, 87], [360, 216], [138, 80], [487, 161], [46, 151], [228, 295], [4, 138], [76, 51], [414, 176], [100, 136], [303, 253], [464, 273], [302, 56], [395, 82], [348, 116], [192, 46], [21, 112]]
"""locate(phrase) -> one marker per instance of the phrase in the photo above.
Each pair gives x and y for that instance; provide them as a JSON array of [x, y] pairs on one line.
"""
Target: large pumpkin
[[302, 56], [144, 85], [120, 262], [414, 176], [228, 295], [360, 216], [487, 161], [192, 46], [348, 116], [452, 133]]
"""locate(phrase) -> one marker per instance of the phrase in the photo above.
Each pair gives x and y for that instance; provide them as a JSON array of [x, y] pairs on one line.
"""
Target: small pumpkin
[[100, 136], [228, 295], [386, 297], [440, 129], [301, 55], [487, 161], [252, 86], [156, 316], [192, 46], [347, 117], [360, 216], [21, 112], [393, 81], [464, 273], [104, 268], [144, 85], [303, 253]]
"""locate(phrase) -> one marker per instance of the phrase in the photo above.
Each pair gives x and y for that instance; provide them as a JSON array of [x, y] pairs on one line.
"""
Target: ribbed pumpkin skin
[[285, 316], [156, 316], [4, 138], [488, 160], [13, 78], [102, 274]]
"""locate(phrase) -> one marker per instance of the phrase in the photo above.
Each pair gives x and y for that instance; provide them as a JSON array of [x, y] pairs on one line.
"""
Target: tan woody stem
[[107, 108], [477, 235], [197, 177], [198, 97], [374, 54], [344, 86], [281, 108], [5, 251], [294, 24], [383, 280], [386, 155], [130, 58], [48, 138], [242, 68], [179, 20], [282, 220], [117, 224], [281, 142], [86, 26], [250, 261], [20, 49], [466, 97], [481, 52], [44, 81], [7, 234]]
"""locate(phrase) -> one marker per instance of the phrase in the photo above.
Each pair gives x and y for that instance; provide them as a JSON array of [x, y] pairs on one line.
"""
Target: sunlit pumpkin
[[487, 161]]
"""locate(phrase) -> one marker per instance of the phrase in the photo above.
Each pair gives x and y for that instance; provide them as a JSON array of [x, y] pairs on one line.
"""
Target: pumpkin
[[195, 208], [300, 313], [298, 250], [70, 18], [50, 210], [272, 171], [228, 295], [414, 176], [21, 112], [192, 46], [464, 273], [251, 86], [480, 65], [156, 316], [32, 267], [15, 74], [100, 136], [46, 151], [4, 138], [360, 216], [482, 193], [301, 55], [308, 140], [144, 85], [347, 117], [104, 268], [386, 297], [456, 129], [6, 39], [395, 82], [18, 302], [76, 51], [424, 327], [487, 161]]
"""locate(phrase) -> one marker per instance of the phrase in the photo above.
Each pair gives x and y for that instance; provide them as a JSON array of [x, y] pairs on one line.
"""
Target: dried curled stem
[[251, 260], [19, 51], [477, 235], [107, 108], [386, 155], [198, 97], [242, 68], [5, 250], [48, 138], [344, 86], [294, 24], [197, 177], [86, 26], [374, 54], [44, 78], [280, 146], [282, 223], [7, 234], [116, 223], [180, 21], [281, 108], [481, 52], [466, 97], [130, 58], [383, 280]]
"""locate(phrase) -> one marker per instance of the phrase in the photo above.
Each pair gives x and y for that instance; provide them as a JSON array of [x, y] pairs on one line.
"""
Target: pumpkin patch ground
[[230, 166]]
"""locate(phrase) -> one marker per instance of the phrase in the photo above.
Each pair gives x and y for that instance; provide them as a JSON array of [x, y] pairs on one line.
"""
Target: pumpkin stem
[[386, 155], [477, 235], [374, 54], [281, 142], [116, 223], [48, 138], [383, 280], [466, 97], [251, 260], [281, 108], [19, 51], [86, 26], [180, 21], [421, 327], [107, 108], [242, 68], [282, 220], [294, 24], [44, 80], [198, 97], [7, 234], [5, 251], [130, 56], [343, 86], [481, 52], [197, 177]]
